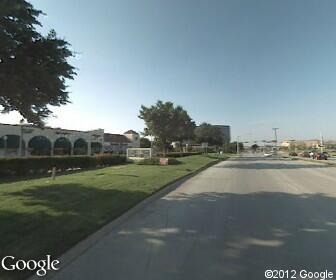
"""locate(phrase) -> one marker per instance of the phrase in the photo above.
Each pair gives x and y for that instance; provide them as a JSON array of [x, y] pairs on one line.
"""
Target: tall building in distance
[[226, 131]]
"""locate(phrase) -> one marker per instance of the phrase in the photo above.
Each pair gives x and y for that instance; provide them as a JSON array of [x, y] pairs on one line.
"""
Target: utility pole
[[264, 148], [238, 141], [276, 138], [237, 145], [321, 142]]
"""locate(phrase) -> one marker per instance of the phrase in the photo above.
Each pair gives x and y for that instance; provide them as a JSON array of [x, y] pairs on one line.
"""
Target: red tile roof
[[115, 138], [131, 132]]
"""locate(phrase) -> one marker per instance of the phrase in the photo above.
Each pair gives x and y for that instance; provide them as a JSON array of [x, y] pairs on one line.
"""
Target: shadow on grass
[[56, 218], [12, 179], [122, 175]]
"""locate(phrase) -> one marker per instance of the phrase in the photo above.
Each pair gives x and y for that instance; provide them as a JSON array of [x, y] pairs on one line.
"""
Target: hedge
[[39, 165], [181, 154]]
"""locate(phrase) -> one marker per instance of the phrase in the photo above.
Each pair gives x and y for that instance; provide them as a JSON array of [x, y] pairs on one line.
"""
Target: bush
[[293, 154], [149, 161], [39, 165], [156, 161], [173, 161]]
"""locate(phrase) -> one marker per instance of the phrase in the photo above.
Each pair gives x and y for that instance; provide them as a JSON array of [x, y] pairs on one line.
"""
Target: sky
[[251, 64]]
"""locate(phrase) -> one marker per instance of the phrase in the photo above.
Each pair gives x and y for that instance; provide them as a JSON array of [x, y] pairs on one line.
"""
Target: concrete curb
[[80, 248]]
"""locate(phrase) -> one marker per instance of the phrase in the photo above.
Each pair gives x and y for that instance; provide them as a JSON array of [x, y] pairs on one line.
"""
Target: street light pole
[[321, 142], [276, 137], [237, 145], [275, 134], [238, 149]]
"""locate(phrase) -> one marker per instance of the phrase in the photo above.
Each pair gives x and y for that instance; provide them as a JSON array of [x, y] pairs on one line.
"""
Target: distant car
[[321, 156], [293, 154], [326, 155], [304, 154]]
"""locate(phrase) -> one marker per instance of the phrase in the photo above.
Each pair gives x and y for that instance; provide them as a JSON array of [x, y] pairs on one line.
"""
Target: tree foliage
[[207, 133], [145, 143], [167, 123], [254, 147], [33, 67]]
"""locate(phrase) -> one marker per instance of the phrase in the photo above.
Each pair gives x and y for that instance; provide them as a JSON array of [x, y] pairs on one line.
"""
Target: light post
[[238, 145], [321, 142], [238, 149], [264, 148], [276, 138]]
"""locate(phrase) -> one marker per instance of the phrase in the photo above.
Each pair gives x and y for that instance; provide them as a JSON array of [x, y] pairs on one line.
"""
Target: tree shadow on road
[[276, 165], [239, 236]]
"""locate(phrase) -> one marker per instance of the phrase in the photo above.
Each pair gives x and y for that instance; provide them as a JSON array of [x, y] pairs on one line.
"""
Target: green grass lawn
[[40, 216]]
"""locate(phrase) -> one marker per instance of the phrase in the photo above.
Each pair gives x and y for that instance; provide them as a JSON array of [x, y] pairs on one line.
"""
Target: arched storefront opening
[[39, 146], [10, 145], [80, 147], [96, 147], [62, 146]]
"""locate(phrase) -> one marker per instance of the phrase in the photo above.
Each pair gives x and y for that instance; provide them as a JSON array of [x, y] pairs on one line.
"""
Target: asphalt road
[[232, 221]]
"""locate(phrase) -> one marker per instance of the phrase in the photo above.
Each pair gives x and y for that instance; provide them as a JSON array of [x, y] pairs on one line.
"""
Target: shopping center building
[[50, 141]]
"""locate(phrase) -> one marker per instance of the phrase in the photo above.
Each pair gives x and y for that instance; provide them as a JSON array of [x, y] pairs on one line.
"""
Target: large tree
[[33, 67], [167, 123], [254, 147], [145, 143], [207, 133]]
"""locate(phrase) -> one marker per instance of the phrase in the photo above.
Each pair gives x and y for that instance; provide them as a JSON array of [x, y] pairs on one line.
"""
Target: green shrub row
[[39, 165], [156, 161]]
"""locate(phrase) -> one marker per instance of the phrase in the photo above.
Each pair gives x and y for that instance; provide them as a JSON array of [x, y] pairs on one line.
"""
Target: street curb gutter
[[80, 248]]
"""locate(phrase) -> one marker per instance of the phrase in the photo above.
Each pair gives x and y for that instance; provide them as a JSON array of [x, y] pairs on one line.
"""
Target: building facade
[[48, 141], [119, 143], [226, 133], [134, 138], [309, 144]]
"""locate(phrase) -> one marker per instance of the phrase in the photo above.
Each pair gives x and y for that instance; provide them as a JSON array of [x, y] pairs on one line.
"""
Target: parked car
[[321, 156], [304, 154]]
